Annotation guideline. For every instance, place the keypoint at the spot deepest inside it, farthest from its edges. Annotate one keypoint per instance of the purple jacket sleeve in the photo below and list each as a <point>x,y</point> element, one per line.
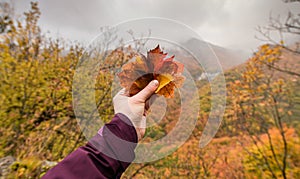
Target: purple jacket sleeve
<point>102,156</point>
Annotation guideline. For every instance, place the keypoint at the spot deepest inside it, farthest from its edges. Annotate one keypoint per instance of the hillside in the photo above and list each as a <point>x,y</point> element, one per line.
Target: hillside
<point>202,59</point>
<point>230,154</point>
<point>288,64</point>
<point>228,58</point>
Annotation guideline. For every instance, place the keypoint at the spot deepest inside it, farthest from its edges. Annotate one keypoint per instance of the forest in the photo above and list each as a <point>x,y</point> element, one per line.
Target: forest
<point>259,136</point>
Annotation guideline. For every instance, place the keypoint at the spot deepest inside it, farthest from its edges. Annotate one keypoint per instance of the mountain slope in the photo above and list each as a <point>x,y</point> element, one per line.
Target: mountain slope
<point>227,58</point>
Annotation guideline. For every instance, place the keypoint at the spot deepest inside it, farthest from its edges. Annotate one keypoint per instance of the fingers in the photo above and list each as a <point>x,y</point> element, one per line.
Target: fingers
<point>150,101</point>
<point>147,91</point>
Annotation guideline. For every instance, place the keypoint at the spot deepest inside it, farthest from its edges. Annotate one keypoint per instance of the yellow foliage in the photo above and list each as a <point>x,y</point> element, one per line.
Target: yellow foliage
<point>163,79</point>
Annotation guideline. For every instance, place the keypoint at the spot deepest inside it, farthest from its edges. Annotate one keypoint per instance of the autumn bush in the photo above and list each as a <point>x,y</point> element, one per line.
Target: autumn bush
<point>255,163</point>
<point>36,99</point>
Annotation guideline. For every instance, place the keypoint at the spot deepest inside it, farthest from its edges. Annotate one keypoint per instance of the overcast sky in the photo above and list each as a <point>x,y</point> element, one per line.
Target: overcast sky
<point>227,23</point>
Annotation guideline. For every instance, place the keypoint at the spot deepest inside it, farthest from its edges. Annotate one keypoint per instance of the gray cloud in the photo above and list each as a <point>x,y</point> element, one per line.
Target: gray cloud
<point>228,23</point>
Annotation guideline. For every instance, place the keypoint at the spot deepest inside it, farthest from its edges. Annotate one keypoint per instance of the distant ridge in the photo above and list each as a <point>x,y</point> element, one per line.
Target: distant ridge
<point>228,58</point>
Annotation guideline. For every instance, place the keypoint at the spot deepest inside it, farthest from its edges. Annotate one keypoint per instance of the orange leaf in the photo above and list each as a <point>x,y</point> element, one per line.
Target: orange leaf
<point>168,90</point>
<point>135,75</point>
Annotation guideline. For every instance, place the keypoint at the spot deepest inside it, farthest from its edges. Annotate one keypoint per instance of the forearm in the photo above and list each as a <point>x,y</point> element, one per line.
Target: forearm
<point>103,156</point>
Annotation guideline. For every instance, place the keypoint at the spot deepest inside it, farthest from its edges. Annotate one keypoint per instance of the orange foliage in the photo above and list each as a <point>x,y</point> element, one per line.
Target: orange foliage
<point>136,75</point>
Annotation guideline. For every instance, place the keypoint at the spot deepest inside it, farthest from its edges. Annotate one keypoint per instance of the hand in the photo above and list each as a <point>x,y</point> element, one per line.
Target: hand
<point>134,107</point>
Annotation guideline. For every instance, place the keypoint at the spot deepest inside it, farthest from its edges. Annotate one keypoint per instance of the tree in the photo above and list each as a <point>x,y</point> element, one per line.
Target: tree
<point>290,26</point>
<point>36,77</point>
<point>262,101</point>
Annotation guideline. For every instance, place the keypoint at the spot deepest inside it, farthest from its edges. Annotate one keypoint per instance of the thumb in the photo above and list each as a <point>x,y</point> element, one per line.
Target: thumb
<point>147,91</point>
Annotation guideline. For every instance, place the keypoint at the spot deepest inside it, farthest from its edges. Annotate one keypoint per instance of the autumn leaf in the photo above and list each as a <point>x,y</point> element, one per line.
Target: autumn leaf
<point>135,75</point>
<point>164,79</point>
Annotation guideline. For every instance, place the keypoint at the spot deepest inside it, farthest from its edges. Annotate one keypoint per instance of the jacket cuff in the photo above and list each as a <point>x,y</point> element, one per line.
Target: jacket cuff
<point>117,140</point>
<point>126,126</point>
